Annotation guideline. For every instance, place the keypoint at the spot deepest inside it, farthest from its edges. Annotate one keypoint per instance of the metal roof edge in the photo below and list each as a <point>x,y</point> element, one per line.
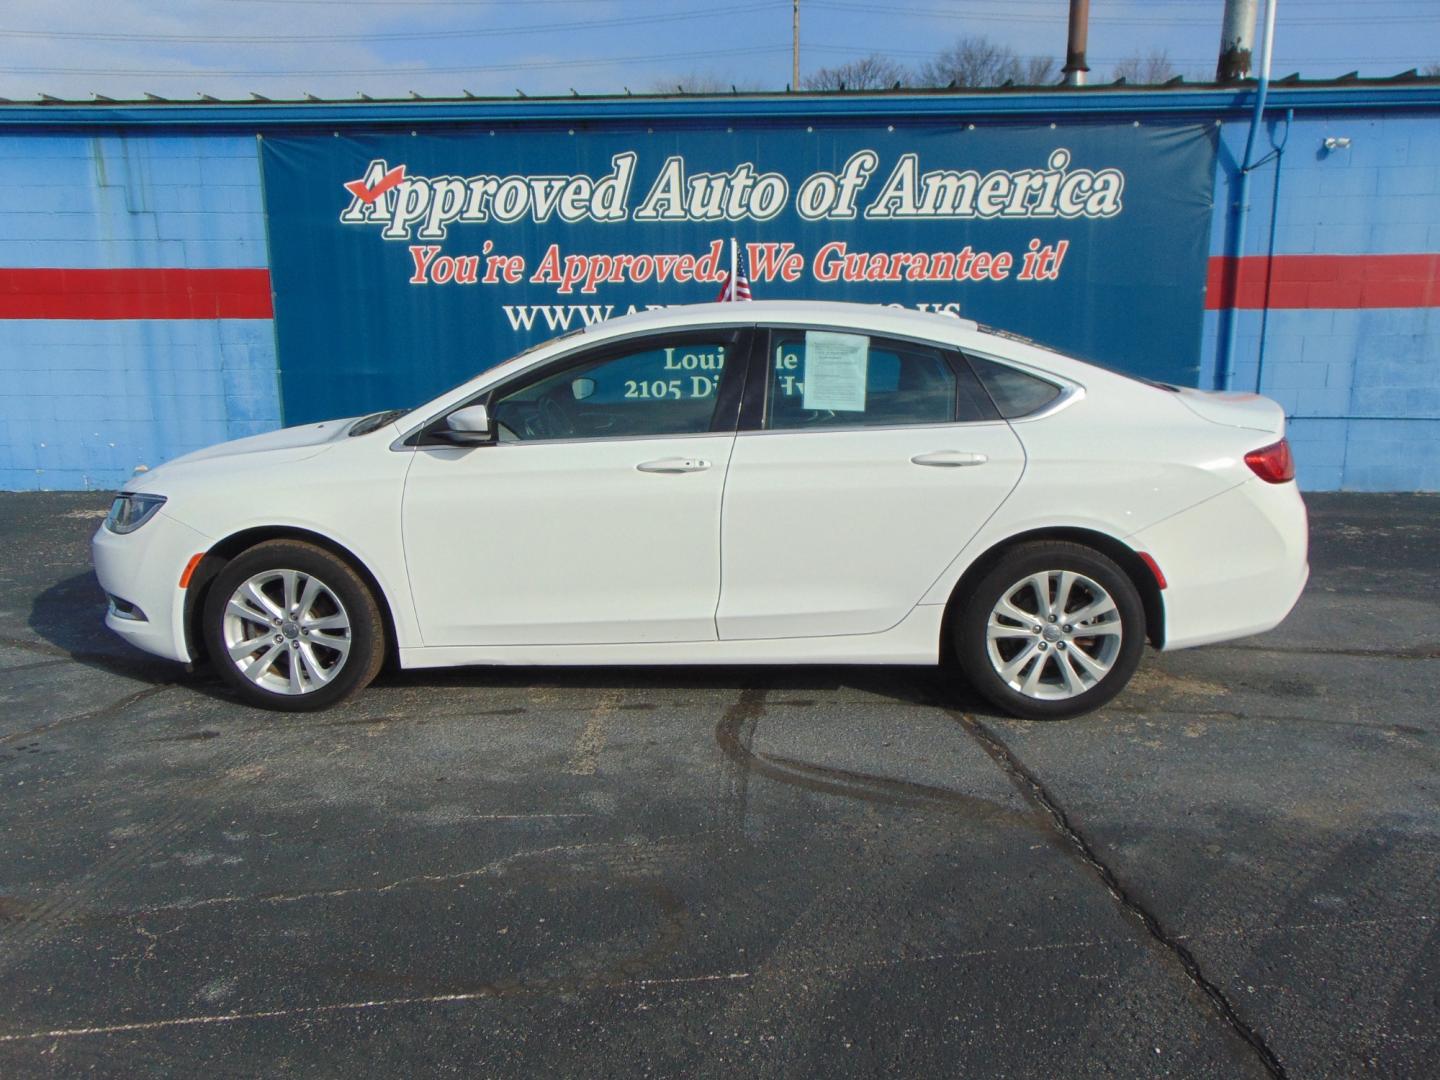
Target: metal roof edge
<point>968,105</point>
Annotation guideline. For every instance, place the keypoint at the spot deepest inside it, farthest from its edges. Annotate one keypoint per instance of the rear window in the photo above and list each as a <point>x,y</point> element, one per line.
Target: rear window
<point>1015,393</point>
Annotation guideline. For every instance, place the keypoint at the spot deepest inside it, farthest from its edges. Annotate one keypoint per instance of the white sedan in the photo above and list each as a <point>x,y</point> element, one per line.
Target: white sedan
<point>761,483</point>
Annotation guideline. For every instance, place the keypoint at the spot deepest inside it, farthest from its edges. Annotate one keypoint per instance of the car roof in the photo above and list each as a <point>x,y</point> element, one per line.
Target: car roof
<point>875,316</point>
<point>936,326</point>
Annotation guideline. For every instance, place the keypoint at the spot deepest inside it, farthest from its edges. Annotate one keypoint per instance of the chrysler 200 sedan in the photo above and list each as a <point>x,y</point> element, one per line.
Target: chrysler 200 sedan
<point>766,483</point>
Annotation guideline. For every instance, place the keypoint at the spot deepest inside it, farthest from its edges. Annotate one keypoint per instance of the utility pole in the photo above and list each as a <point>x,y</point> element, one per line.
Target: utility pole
<point>795,45</point>
<point>1075,65</point>
<point>1237,39</point>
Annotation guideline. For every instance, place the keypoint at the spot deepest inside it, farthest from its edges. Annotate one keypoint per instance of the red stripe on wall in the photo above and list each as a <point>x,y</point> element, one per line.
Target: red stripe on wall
<point>1295,281</point>
<point>45,293</point>
<point>1324,281</point>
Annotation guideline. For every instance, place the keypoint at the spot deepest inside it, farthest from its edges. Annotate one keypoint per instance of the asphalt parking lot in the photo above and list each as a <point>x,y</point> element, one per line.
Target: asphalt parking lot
<point>1234,870</point>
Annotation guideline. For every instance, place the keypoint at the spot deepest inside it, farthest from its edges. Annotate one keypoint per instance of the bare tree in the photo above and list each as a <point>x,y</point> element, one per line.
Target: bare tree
<point>1430,70</point>
<point>699,82</point>
<point>1148,70</point>
<point>972,61</point>
<point>874,72</point>
<point>1038,71</point>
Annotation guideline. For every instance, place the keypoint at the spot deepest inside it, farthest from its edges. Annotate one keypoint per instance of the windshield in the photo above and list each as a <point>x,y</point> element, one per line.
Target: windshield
<point>376,421</point>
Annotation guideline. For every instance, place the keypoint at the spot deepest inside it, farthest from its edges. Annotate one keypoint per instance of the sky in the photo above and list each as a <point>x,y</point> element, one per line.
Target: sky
<point>389,48</point>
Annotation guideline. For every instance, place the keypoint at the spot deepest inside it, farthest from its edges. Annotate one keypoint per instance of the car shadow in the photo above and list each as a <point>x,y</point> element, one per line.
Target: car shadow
<point>69,618</point>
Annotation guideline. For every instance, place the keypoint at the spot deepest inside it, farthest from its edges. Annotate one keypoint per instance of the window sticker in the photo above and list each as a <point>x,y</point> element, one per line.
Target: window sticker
<point>835,371</point>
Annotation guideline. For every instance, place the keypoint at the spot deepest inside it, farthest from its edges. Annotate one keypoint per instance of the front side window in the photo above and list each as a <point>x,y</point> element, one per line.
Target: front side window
<point>821,378</point>
<point>653,388</point>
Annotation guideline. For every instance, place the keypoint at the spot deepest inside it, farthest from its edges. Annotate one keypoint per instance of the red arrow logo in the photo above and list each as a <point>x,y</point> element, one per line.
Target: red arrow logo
<point>385,183</point>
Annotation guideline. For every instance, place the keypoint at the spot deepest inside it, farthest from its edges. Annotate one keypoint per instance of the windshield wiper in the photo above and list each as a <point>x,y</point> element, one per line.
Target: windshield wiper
<point>376,421</point>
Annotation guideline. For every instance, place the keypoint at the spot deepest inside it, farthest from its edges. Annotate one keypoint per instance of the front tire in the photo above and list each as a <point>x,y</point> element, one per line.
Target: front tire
<point>289,626</point>
<point>1052,631</point>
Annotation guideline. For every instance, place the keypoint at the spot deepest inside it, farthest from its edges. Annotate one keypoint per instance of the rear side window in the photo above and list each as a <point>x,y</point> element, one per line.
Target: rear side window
<point>1015,393</point>
<point>820,378</point>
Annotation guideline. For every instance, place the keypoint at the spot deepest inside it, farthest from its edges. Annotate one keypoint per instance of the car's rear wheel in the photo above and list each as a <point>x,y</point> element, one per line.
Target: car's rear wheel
<point>1052,630</point>
<point>290,626</point>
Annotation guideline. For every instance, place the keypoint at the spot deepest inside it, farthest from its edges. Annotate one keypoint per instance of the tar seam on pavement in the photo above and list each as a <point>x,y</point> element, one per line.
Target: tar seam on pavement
<point>1035,793</point>
<point>90,714</point>
<point>737,728</point>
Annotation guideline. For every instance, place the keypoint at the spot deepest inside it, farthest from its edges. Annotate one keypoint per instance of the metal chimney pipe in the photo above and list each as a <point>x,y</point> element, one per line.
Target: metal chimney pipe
<point>1075,65</point>
<point>1237,40</point>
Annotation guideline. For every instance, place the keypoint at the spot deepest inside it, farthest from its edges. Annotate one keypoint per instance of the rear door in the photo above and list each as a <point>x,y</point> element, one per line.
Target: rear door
<point>862,468</point>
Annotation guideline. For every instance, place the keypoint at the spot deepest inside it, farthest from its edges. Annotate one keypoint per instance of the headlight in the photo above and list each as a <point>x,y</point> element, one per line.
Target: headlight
<point>129,512</point>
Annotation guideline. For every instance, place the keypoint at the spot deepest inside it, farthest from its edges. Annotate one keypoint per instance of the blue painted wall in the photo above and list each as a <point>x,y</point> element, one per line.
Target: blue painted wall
<point>84,402</point>
<point>1361,386</point>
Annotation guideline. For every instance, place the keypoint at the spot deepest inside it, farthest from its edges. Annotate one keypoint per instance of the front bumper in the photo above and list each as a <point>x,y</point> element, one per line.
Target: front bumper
<point>142,569</point>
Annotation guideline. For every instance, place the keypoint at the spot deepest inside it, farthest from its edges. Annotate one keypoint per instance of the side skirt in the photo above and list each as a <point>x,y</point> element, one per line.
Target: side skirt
<point>914,640</point>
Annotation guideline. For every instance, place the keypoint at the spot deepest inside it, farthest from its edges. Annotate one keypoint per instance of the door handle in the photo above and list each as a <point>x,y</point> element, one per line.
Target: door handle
<point>949,459</point>
<point>674,465</point>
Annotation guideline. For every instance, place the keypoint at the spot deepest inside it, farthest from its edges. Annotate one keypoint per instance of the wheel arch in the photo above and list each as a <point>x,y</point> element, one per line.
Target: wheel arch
<point>1126,557</point>
<point>222,551</point>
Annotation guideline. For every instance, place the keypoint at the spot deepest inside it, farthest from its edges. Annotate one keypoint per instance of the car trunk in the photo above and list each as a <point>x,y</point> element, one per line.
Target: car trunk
<point>1233,409</point>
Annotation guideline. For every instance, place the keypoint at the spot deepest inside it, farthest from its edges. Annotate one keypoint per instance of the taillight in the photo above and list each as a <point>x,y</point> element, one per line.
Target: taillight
<point>1274,463</point>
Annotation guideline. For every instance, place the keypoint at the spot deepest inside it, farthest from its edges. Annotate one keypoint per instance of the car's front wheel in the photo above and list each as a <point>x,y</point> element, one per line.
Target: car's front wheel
<point>290,626</point>
<point>1053,630</point>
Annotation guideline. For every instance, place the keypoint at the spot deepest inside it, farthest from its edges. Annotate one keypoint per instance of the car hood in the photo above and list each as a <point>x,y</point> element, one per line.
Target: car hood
<point>1235,409</point>
<point>287,444</point>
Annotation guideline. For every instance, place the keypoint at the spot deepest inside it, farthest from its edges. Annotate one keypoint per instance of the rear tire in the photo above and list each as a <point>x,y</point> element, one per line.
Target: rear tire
<point>289,626</point>
<point>1053,630</point>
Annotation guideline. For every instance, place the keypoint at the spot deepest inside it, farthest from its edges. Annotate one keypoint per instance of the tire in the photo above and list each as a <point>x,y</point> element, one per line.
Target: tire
<point>1021,658</point>
<point>303,658</point>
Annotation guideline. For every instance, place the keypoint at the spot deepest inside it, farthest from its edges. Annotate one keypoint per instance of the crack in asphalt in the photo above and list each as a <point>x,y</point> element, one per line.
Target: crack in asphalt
<point>1412,652</point>
<point>736,729</point>
<point>92,714</point>
<point>1037,794</point>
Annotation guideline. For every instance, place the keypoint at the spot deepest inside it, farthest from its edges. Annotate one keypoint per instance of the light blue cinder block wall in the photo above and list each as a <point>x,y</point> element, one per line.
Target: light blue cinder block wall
<point>86,401</point>
<point>1362,385</point>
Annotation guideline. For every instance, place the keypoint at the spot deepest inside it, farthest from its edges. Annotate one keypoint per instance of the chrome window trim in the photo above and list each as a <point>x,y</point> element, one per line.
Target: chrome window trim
<point>834,429</point>
<point>594,439</point>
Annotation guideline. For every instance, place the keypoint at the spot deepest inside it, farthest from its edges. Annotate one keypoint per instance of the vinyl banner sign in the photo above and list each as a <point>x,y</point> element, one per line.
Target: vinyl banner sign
<point>405,263</point>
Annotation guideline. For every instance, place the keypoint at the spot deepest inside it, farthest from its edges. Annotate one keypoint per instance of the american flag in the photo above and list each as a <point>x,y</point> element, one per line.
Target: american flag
<point>741,291</point>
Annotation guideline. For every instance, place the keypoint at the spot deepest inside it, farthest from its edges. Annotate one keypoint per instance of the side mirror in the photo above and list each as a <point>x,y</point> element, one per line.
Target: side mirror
<point>469,426</point>
<point>582,388</point>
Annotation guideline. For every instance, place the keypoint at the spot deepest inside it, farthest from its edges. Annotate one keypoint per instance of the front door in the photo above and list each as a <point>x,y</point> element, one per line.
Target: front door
<point>874,462</point>
<point>594,518</point>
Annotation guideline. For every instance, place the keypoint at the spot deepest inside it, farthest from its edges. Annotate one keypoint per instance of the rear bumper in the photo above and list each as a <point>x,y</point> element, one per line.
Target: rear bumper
<point>1236,564</point>
<point>142,569</point>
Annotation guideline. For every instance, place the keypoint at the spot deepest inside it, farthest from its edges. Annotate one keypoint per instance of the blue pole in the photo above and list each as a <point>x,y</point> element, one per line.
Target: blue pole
<point>1224,363</point>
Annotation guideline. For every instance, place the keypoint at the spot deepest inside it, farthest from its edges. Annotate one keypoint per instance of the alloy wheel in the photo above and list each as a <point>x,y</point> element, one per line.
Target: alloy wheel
<point>286,631</point>
<point>1054,635</point>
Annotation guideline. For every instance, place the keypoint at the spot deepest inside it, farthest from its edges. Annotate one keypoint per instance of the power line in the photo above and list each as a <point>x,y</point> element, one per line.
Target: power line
<point>1006,5</point>
<point>1058,15</point>
<point>151,73</point>
<point>417,35</point>
<point>432,3</point>
<point>849,50</point>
